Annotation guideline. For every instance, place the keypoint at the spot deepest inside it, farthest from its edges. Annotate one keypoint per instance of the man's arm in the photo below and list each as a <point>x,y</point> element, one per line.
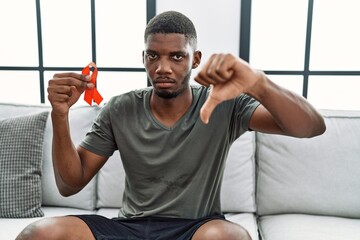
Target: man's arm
<point>284,112</point>
<point>73,168</point>
<point>281,111</point>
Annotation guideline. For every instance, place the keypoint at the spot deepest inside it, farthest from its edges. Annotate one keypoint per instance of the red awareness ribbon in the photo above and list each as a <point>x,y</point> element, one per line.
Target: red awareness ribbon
<point>92,94</point>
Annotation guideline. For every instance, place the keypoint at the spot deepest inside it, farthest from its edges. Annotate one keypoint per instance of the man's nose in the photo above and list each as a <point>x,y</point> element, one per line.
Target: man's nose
<point>164,66</point>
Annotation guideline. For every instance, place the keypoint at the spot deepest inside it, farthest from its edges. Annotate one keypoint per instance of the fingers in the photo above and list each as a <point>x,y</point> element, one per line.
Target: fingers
<point>216,73</point>
<point>62,82</point>
<point>63,86</point>
<point>208,107</point>
<point>218,69</point>
<point>73,79</point>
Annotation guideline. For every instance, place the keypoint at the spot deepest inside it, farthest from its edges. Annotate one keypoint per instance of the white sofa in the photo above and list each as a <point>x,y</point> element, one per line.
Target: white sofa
<point>277,187</point>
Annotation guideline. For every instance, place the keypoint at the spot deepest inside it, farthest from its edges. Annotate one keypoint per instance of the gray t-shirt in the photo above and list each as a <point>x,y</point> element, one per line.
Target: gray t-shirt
<point>173,172</point>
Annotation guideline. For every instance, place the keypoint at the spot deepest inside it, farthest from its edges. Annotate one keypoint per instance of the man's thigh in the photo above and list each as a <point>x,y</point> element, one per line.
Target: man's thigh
<point>68,227</point>
<point>221,230</point>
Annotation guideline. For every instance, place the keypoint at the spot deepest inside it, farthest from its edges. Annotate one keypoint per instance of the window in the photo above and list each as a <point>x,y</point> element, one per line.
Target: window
<point>308,46</point>
<point>46,37</point>
<point>18,47</point>
<point>308,41</point>
<point>334,56</point>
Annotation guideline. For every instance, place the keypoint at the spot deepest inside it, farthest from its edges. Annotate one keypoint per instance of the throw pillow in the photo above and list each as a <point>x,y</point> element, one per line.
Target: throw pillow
<point>21,152</point>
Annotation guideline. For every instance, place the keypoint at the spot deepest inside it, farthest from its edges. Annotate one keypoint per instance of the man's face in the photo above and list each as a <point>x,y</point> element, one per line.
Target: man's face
<point>168,60</point>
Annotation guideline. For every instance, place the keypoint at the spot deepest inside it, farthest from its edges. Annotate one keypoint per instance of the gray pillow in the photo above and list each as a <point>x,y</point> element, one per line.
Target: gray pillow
<point>21,152</point>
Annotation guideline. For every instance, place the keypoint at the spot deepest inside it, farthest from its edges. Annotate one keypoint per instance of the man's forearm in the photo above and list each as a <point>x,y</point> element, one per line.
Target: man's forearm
<point>292,113</point>
<point>67,164</point>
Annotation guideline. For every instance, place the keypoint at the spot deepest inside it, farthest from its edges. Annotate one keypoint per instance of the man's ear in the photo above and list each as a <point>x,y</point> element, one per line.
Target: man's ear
<point>197,59</point>
<point>143,57</point>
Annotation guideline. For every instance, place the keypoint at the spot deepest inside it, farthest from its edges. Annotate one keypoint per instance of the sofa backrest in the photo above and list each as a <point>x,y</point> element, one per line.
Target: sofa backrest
<point>106,188</point>
<point>319,175</point>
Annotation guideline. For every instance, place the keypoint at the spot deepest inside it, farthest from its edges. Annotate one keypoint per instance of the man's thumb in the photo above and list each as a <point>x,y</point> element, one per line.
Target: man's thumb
<point>208,107</point>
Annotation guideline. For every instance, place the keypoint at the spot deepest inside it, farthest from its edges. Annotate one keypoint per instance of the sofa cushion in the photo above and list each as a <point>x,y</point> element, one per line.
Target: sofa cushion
<point>247,221</point>
<point>80,120</point>
<point>238,188</point>
<point>300,227</point>
<point>319,175</point>
<point>21,152</point>
<point>111,183</point>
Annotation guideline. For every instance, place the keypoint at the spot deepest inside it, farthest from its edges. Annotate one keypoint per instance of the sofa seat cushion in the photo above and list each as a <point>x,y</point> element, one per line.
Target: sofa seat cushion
<point>309,227</point>
<point>14,226</point>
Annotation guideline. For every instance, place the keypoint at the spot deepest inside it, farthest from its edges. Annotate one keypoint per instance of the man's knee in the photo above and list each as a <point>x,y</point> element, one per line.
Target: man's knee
<point>38,230</point>
<point>221,230</point>
<point>57,228</point>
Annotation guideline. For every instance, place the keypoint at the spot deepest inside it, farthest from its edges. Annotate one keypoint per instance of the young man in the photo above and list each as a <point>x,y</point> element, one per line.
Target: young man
<point>170,134</point>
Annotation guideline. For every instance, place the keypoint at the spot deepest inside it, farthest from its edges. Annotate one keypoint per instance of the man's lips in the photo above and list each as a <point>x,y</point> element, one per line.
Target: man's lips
<point>164,82</point>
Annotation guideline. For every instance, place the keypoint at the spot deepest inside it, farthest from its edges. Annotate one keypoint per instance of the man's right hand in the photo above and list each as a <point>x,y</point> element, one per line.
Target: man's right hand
<point>65,89</point>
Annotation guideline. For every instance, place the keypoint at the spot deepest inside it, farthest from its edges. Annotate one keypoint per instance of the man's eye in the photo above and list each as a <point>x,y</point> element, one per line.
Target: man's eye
<point>151,56</point>
<point>178,57</point>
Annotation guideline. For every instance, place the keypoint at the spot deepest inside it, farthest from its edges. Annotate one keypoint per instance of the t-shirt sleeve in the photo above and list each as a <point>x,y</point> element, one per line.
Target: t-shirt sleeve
<point>100,139</point>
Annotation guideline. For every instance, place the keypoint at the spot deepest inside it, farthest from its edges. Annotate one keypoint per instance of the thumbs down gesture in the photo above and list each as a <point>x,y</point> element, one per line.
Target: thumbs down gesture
<point>228,77</point>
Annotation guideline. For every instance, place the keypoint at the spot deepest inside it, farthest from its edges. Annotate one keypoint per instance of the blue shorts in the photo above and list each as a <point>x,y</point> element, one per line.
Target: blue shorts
<point>144,228</point>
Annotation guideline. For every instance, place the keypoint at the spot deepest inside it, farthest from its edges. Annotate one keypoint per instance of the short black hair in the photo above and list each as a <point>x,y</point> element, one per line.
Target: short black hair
<point>172,22</point>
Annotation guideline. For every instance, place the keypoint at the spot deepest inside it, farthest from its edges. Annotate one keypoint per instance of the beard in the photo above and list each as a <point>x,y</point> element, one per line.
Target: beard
<point>168,94</point>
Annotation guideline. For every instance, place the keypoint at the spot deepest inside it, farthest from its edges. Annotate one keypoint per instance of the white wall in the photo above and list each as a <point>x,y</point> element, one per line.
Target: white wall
<point>217,23</point>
